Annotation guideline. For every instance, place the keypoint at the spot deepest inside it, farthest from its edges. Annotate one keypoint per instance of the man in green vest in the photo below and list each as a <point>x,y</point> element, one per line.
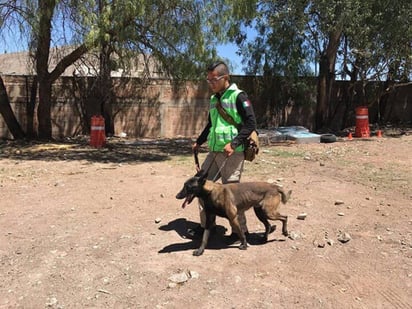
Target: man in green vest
<point>225,158</point>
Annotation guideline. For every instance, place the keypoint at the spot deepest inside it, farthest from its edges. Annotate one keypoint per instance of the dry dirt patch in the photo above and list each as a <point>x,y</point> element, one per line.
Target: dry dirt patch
<point>101,228</point>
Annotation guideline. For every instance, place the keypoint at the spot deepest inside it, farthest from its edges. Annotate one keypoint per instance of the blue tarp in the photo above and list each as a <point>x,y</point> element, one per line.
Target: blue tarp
<point>295,133</point>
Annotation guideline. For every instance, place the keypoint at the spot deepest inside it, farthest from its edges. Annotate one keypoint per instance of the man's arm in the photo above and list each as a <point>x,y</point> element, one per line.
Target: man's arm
<point>246,112</point>
<point>203,136</point>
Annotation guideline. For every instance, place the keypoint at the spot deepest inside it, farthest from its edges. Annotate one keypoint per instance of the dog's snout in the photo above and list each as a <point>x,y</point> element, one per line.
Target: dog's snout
<point>181,195</point>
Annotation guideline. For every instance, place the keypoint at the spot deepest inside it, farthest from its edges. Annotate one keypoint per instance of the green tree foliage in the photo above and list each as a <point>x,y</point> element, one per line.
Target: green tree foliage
<point>379,45</point>
<point>279,47</point>
<point>181,34</point>
<point>365,39</point>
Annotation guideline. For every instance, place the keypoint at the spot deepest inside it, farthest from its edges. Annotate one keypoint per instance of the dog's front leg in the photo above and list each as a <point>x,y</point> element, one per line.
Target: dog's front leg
<point>210,222</point>
<point>202,247</point>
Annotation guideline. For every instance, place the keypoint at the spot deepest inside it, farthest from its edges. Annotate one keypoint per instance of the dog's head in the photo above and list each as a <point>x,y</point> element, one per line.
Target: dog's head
<point>192,188</point>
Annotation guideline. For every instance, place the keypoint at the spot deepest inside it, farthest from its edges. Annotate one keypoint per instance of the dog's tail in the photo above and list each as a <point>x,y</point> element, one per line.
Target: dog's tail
<point>285,196</point>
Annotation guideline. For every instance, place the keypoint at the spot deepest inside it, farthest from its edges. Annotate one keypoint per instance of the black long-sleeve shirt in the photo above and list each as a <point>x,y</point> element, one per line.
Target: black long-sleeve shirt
<point>246,112</point>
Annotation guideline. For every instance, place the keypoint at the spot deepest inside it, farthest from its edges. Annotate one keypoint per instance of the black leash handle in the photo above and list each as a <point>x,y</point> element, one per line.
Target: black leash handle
<point>195,154</point>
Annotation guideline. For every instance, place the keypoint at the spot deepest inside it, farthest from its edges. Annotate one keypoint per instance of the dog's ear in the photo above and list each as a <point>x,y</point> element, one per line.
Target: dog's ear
<point>202,176</point>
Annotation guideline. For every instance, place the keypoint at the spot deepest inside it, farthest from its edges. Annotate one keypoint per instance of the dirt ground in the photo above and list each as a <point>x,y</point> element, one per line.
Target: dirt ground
<point>101,228</point>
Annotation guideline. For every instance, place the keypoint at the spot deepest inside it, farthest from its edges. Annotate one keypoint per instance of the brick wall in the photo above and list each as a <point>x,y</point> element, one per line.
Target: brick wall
<point>163,109</point>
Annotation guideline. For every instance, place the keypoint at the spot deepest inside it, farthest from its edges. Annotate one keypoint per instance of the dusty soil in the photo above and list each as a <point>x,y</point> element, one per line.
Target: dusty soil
<point>101,228</point>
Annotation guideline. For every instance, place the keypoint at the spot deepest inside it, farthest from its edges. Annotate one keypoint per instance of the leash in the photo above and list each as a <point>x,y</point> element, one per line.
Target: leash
<point>196,155</point>
<point>220,168</point>
<point>197,164</point>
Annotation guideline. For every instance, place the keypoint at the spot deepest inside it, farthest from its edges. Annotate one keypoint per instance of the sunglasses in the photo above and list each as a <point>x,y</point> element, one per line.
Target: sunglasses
<point>214,80</point>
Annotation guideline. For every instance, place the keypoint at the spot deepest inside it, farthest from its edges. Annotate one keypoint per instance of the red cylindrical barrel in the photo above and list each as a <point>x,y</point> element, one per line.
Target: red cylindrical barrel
<point>97,132</point>
<point>362,122</point>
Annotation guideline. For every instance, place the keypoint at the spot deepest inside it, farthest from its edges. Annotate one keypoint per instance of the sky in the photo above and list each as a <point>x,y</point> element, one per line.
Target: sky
<point>228,51</point>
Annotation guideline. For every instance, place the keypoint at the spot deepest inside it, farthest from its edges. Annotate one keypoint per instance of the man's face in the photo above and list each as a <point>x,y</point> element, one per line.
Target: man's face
<point>217,83</point>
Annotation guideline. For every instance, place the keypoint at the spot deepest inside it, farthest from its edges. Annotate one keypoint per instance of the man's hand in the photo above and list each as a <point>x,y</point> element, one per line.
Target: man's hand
<point>228,149</point>
<point>195,147</point>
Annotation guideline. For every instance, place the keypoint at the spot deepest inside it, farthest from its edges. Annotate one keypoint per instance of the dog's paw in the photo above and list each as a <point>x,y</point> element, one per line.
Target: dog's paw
<point>243,247</point>
<point>198,252</point>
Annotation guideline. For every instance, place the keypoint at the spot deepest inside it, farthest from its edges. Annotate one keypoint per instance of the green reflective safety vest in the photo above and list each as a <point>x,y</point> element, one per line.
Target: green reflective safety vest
<point>221,131</point>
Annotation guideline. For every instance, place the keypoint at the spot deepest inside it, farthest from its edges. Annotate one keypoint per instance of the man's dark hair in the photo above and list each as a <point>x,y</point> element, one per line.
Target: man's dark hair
<point>220,67</point>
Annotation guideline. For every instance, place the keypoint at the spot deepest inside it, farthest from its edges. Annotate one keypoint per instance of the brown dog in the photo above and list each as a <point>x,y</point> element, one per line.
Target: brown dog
<point>230,199</point>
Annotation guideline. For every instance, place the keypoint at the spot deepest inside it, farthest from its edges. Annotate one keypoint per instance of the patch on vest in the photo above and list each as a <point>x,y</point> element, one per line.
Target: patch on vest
<point>246,103</point>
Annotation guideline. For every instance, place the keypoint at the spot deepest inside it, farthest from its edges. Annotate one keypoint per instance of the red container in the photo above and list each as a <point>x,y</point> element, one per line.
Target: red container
<point>362,122</point>
<point>97,132</point>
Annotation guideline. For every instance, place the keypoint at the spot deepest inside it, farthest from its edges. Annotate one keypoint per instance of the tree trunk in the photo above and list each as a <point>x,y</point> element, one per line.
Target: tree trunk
<point>44,110</point>
<point>8,114</point>
<point>105,85</point>
<point>322,99</point>
<point>31,104</point>
<point>46,10</point>
<point>326,79</point>
<point>46,78</point>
